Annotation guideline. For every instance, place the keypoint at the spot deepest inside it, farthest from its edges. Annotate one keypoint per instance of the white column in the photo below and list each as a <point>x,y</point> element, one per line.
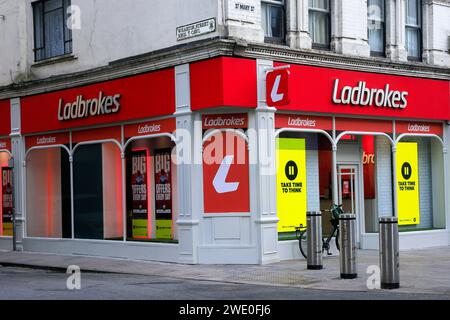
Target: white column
<point>188,152</point>
<point>349,27</point>
<point>18,152</point>
<point>395,24</point>
<point>262,158</point>
<point>297,33</point>
<point>436,41</point>
<point>243,19</point>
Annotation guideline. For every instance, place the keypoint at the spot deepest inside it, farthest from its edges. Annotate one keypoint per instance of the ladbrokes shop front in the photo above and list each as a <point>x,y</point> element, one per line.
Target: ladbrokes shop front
<point>218,160</point>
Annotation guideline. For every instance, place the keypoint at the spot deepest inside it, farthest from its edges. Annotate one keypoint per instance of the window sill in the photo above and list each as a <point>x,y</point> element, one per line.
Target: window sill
<point>54,60</point>
<point>276,41</point>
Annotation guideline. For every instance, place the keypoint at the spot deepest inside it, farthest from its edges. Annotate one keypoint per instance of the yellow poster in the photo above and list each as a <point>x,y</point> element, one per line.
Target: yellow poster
<point>407,184</point>
<point>291,183</point>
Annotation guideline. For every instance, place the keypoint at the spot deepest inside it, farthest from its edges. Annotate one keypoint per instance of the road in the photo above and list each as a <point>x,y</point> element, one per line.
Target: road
<point>31,284</point>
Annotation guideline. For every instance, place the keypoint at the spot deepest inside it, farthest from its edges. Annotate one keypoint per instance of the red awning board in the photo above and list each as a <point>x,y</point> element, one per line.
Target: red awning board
<point>126,99</point>
<point>232,82</point>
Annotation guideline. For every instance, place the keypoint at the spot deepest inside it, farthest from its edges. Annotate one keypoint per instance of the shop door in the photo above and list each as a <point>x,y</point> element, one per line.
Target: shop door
<point>349,191</point>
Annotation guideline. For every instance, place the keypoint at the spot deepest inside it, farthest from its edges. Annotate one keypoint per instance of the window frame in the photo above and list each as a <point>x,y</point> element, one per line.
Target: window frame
<point>418,27</point>
<point>282,5</point>
<point>67,32</point>
<point>379,53</point>
<point>316,45</point>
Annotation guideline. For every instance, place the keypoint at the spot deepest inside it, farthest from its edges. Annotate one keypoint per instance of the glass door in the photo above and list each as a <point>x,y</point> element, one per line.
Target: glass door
<point>348,188</point>
<point>349,191</point>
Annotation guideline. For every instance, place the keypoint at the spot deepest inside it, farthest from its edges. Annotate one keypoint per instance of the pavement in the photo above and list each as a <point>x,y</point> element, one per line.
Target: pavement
<point>424,271</point>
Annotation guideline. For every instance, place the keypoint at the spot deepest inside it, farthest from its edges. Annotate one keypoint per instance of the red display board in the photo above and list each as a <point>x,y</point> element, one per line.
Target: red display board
<point>150,127</point>
<point>47,140</point>
<point>368,145</point>
<point>163,194</point>
<point>140,194</point>
<point>7,201</point>
<point>223,121</point>
<point>416,127</point>
<point>303,122</point>
<point>226,174</point>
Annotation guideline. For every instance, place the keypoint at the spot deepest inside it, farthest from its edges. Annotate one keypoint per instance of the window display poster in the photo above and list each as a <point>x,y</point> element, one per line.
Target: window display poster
<point>291,183</point>
<point>163,194</point>
<point>408,184</point>
<point>139,192</point>
<point>7,201</point>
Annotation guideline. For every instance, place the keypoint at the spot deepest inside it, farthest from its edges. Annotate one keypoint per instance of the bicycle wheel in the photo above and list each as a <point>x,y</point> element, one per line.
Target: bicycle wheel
<point>337,240</point>
<point>303,243</point>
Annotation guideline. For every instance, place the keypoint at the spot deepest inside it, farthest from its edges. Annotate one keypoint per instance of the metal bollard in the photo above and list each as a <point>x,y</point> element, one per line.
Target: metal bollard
<point>347,240</point>
<point>314,233</point>
<point>389,253</point>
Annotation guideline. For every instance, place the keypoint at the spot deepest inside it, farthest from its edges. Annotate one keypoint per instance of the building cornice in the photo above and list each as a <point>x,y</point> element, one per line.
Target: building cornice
<point>216,47</point>
<point>332,60</point>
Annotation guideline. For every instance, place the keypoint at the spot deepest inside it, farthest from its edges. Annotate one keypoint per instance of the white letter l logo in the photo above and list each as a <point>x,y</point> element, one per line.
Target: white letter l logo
<point>219,182</point>
<point>275,95</point>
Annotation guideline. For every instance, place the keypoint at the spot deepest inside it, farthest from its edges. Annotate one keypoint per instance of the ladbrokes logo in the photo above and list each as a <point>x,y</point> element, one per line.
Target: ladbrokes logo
<point>363,96</point>
<point>83,108</point>
<point>219,122</point>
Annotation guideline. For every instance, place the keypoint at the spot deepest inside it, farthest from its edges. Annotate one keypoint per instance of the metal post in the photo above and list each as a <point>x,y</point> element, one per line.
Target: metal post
<point>314,233</point>
<point>347,240</point>
<point>389,253</point>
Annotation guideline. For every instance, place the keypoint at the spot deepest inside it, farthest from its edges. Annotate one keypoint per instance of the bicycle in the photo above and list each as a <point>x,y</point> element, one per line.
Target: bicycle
<point>301,232</point>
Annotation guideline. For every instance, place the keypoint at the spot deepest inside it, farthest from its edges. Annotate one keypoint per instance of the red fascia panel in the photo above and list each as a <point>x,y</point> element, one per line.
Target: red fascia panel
<point>5,117</point>
<point>311,89</point>
<point>142,96</point>
<point>223,81</point>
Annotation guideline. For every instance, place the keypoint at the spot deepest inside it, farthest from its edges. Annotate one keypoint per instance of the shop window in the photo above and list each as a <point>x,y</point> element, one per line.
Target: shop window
<point>273,20</point>
<point>414,29</point>
<point>151,191</point>
<point>376,26</point>
<point>320,23</point>
<point>298,189</point>
<point>48,194</point>
<point>420,189</point>
<point>97,182</point>
<point>6,196</point>
<point>52,37</point>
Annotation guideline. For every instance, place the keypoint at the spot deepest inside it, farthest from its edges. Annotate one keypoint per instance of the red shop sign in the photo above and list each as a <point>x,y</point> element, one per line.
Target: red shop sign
<point>337,91</point>
<point>303,122</point>
<point>277,87</point>
<point>363,125</point>
<point>150,127</point>
<point>419,127</point>
<point>97,134</point>
<point>47,140</point>
<point>223,82</point>
<point>226,174</point>
<point>221,121</point>
<point>136,97</point>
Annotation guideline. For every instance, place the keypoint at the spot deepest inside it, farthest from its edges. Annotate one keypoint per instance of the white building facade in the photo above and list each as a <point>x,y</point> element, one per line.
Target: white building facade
<point>110,110</point>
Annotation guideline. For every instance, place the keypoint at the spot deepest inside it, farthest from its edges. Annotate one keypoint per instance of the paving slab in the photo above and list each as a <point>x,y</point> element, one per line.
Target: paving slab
<point>421,271</point>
